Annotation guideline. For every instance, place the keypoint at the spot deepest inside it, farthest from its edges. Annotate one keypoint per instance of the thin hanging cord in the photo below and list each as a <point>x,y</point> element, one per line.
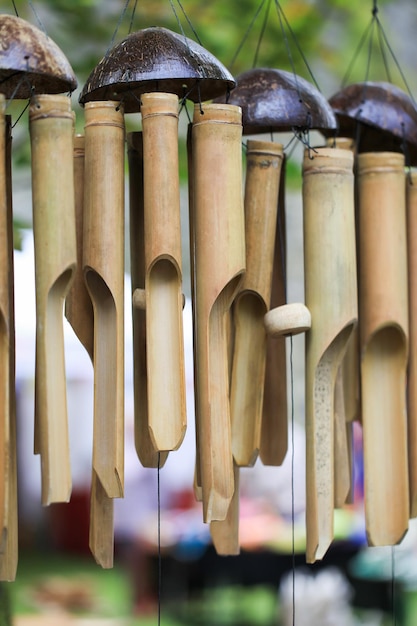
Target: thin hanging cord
<point>362,41</point>
<point>393,596</point>
<point>261,34</point>
<point>282,18</point>
<point>292,480</point>
<point>36,14</point>
<point>247,33</point>
<point>159,541</point>
<point>116,30</point>
<point>132,18</point>
<point>189,22</point>
<point>15,8</point>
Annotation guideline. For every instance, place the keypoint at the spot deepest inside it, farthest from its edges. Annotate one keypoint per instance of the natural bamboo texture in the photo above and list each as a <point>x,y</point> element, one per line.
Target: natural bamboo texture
<point>225,533</point>
<point>78,305</point>
<point>274,428</point>
<point>383,315</point>
<point>263,168</point>
<point>80,314</point>
<point>51,130</point>
<point>219,263</point>
<point>103,262</point>
<point>331,297</point>
<point>411,199</point>
<point>8,443</point>
<point>145,448</point>
<point>163,279</point>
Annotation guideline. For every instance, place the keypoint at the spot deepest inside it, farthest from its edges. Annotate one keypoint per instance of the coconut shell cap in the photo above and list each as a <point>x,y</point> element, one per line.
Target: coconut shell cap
<point>30,62</point>
<point>156,59</point>
<point>379,115</point>
<point>275,100</point>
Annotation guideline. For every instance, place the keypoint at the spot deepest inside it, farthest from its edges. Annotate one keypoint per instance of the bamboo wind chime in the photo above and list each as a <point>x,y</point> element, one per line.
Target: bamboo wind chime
<point>359,291</point>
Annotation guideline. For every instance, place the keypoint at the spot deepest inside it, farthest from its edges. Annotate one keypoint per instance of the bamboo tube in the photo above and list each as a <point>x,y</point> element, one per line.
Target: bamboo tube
<point>331,297</point>
<point>225,533</point>
<point>264,161</point>
<point>78,305</point>
<point>164,330</point>
<point>80,314</point>
<point>219,263</point>
<point>274,428</point>
<point>145,449</point>
<point>103,261</point>
<point>51,131</point>
<point>8,487</point>
<point>383,302</point>
<point>411,198</point>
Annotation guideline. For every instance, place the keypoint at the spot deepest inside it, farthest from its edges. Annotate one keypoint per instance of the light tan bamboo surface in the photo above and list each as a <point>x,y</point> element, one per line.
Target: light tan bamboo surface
<point>8,475</point>
<point>274,427</point>
<point>219,249</point>
<point>263,168</point>
<point>331,297</point>
<point>51,124</point>
<point>163,279</point>
<point>80,314</point>
<point>383,315</point>
<point>103,262</point>
<point>225,533</point>
<point>145,448</point>
<point>411,198</point>
<point>78,305</point>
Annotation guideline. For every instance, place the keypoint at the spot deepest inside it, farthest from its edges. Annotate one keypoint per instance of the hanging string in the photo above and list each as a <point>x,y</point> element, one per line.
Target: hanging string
<point>189,22</point>
<point>247,33</point>
<point>38,19</point>
<point>133,16</point>
<point>292,479</point>
<point>393,595</point>
<point>159,540</point>
<point>261,35</point>
<point>15,8</point>
<point>116,30</point>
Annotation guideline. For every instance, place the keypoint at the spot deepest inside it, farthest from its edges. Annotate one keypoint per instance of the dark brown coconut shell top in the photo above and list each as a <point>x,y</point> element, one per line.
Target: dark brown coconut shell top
<point>275,100</point>
<point>379,115</point>
<point>30,62</point>
<point>156,59</point>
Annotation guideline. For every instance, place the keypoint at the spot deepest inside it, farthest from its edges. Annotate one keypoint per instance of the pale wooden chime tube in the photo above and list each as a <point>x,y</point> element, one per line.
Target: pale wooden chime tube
<point>264,161</point>
<point>103,262</point>
<point>219,248</point>
<point>51,131</point>
<point>331,297</point>
<point>163,277</point>
<point>80,314</point>
<point>383,315</point>
<point>148,455</point>
<point>412,361</point>
<point>8,474</point>
<point>274,429</point>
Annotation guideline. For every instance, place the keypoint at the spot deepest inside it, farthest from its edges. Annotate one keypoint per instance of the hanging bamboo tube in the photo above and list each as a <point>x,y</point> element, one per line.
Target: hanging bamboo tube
<point>264,161</point>
<point>103,262</point>
<point>383,314</point>
<point>145,448</point>
<point>411,198</point>
<point>80,314</point>
<point>8,442</point>
<point>219,263</point>
<point>331,297</point>
<point>163,279</point>
<point>78,305</point>
<point>51,132</point>
<point>274,429</point>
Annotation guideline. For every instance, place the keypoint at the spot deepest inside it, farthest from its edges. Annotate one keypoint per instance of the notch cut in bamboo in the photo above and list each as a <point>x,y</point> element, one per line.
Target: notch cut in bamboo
<point>331,297</point>
<point>264,160</point>
<point>219,263</point>
<point>103,262</point>
<point>163,277</point>
<point>51,124</point>
<point>383,302</point>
